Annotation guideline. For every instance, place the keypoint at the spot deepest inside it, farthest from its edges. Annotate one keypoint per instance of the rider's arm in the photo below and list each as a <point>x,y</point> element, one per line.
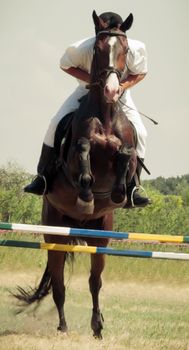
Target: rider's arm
<point>136,64</point>
<point>77,59</point>
<point>78,73</point>
<point>132,80</point>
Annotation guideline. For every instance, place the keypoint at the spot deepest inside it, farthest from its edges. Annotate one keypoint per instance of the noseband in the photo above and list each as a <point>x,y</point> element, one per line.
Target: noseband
<point>108,70</point>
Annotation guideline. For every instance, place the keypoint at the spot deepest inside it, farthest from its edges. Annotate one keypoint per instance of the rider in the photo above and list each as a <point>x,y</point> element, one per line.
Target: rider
<point>76,61</point>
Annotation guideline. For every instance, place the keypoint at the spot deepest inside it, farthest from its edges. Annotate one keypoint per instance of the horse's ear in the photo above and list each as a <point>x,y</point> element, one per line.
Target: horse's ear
<point>95,19</point>
<point>126,25</point>
<point>98,22</point>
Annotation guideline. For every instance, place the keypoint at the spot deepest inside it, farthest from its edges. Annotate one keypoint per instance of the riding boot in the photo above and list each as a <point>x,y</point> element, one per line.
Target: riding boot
<point>46,169</point>
<point>134,199</point>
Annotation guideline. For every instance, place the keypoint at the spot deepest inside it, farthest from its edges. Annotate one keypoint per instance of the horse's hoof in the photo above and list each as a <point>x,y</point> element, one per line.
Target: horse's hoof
<point>119,204</point>
<point>118,195</point>
<point>85,207</point>
<point>97,321</point>
<point>98,335</point>
<point>62,328</point>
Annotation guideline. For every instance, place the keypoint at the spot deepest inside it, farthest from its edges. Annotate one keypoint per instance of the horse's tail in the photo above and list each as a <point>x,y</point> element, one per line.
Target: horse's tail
<point>31,295</point>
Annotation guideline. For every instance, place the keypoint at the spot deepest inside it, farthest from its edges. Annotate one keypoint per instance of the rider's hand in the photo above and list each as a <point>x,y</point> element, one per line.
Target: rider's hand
<point>121,90</point>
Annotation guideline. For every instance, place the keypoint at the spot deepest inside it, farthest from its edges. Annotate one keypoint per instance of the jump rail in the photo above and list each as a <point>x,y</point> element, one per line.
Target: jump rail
<point>67,231</point>
<point>95,250</point>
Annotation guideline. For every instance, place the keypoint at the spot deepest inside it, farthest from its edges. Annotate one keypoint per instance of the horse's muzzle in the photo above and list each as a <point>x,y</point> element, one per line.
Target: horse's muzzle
<point>112,88</point>
<point>111,95</point>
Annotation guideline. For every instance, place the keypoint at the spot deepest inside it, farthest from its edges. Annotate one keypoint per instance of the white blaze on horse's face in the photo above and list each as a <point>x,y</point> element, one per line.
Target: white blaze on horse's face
<point>111,89</point>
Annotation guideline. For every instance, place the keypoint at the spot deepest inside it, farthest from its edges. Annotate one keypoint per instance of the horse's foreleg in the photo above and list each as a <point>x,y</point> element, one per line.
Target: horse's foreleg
<point>95,283</point>
<point>119,190</point>
<point>56,262</point>
<point>85,201</point>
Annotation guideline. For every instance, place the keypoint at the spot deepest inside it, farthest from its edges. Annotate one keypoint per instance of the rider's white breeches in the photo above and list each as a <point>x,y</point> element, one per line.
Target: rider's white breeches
<point>72,103</point>
<point>133,115</point>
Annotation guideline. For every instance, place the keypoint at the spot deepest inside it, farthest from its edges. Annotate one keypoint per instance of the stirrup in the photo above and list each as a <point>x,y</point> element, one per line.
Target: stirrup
<point>45,181</point>
<point>136,188</point>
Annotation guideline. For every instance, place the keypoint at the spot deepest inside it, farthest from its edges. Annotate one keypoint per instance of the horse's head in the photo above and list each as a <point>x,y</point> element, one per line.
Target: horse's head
<point>110,51</point>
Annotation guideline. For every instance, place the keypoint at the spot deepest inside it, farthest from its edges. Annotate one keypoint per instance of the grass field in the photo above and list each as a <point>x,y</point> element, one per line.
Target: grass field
<point>145,304</point>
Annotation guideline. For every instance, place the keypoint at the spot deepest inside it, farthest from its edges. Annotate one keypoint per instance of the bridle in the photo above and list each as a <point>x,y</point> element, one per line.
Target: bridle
<point>109,70</point>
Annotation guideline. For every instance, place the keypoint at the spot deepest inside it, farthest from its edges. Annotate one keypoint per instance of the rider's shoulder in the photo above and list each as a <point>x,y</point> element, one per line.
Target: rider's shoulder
<point>136,45</point>
<point>137,57</point>
<point>86,43</point>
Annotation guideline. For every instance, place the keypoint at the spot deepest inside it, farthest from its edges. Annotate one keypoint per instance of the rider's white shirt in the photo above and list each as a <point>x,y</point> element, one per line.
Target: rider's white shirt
<point>80,55</point>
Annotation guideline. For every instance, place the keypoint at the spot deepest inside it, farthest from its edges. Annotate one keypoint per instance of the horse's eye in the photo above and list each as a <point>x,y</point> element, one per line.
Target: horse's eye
<point>102,36</point>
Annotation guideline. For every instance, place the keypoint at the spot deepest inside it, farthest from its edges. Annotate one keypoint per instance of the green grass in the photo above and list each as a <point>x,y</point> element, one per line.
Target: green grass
<point>137,316</point>
<point>145,302</point>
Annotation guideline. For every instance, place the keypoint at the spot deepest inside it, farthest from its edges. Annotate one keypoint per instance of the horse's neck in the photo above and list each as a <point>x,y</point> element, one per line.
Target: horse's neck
<point>103,110</point>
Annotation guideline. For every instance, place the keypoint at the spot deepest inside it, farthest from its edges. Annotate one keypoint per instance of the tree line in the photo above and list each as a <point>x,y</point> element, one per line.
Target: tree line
<point>168,214</point>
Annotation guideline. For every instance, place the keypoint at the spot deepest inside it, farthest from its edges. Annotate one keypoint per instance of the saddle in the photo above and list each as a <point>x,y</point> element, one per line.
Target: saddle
<point>63,134</point>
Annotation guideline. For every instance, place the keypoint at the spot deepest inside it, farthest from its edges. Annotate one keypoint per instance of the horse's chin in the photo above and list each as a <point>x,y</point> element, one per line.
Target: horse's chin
<point>111,99</point>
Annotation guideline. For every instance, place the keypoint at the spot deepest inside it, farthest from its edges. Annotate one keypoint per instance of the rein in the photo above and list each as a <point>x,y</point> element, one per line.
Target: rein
<point>133,109</point>
<point>109,70</point>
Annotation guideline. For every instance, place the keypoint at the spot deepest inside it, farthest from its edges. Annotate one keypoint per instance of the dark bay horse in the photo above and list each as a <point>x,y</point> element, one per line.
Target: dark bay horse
<point>95,168</point>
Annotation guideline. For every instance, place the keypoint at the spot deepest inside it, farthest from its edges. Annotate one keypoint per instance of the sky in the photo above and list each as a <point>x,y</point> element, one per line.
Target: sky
<point>33,37</point>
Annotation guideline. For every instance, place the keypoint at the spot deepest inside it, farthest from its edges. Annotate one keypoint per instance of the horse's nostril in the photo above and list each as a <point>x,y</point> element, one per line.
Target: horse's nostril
<point>110,91</point>
<point>107,89</point>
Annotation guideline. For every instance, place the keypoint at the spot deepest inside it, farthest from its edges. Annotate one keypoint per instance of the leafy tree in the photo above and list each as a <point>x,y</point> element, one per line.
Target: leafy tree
<point>169,212</point>
<point>167,215</point>
<point>172,185</point>
<point>15,205</point>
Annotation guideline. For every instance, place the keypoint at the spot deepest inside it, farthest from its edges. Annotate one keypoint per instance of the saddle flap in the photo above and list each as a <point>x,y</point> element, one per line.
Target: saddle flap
<point>63,135</point>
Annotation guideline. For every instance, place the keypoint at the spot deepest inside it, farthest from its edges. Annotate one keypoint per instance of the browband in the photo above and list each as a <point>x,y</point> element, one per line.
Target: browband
<point>111,33</point>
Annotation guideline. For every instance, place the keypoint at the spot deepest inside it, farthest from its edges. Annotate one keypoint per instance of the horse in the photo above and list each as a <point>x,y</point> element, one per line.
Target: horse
<point>96,160</point>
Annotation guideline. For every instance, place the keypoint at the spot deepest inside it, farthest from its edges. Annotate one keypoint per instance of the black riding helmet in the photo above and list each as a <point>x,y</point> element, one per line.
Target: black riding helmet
<point>112,20</point>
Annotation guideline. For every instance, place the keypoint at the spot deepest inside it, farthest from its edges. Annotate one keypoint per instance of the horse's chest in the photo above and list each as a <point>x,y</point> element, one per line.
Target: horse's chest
<point>105,142</point>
